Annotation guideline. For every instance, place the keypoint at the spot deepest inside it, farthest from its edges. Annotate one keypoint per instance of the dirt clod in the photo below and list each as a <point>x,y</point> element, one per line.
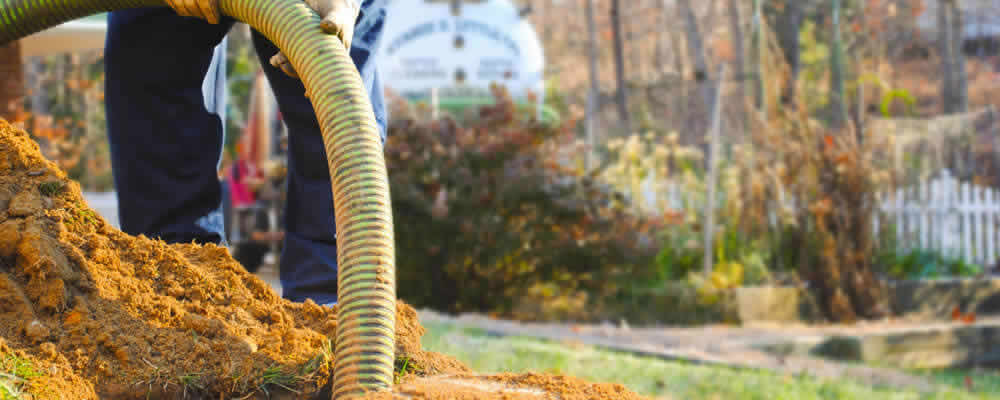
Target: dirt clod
<point>100,314</point>
<point>10,236</point>
<point>6,194</point>
<point>24,203</point>
<point>36,332</point>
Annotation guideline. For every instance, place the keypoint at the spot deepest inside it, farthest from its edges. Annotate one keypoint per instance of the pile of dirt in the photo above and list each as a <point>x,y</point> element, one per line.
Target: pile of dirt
<point>89,312</point>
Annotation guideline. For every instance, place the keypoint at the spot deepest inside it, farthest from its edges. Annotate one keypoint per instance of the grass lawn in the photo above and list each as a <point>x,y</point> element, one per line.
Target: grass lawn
<point>675,380</point>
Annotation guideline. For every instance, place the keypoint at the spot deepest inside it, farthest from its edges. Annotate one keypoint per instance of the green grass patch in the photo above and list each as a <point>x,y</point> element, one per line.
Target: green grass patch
<point>668,379</point>
<point>276,377</point>
<point>290,379</point>
<point>10,389</point>
<point>19,367</point>
<point>83,216</point>
<point>404,367</point>
<point>979,380</point>
<point>52,188</point>
<point>15,375</point>
<point>191,382</point>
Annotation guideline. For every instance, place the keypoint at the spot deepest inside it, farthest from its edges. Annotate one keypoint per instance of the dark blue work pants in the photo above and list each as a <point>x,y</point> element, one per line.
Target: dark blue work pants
<point>165,144</point>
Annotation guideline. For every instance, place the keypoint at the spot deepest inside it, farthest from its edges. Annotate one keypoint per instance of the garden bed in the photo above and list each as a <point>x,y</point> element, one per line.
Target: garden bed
<point>913,300</point>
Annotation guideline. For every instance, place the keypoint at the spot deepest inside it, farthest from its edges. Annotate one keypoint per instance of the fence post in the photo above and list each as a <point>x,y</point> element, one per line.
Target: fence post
<point>992,201</point>
<point>937,199</point>
<point>952,232</point>
<point>977,214</point>
<point>965,217</point>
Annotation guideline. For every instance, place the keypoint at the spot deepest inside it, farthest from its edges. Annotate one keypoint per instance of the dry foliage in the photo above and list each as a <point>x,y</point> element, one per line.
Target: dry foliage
<point>821,188</point>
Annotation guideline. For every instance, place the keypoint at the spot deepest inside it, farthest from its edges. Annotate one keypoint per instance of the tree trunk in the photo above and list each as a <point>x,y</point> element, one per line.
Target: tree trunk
<point>696,52</point>
<point>954,84</point>
<point>622,95</point>
<point>675,48</point>
<point>593,95</point>
<point>696,48</point>
<point>961,77</point>
<point>944,49</point>
<point>12,81</point>
<point>739,60</point>
<point>787,26</point>
<point>634,44</point>
<point>838,109</point>
<point>757,56</point>
<point>659,57</point>
<point>679,102</point>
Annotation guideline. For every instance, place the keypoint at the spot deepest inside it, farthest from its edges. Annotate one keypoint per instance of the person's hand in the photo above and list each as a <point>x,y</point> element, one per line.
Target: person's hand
<point>207,10</point>
<point>338,19</point>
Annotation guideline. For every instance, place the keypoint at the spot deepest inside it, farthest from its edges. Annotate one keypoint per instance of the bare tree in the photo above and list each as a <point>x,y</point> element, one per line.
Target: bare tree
<point>622,95</point>
<point>593,97</point>
<point>696,52</point>
<point>696,48</point>
<point>787,25</point>
<point>954,84</point>
<point>675,45</point>
<point>12,83</point>
<point>633,35</point>
<point>838,107</point>
<point>739,53</point>
<point>757,55</point>
<point>659,56</point>
<point>679,104</point>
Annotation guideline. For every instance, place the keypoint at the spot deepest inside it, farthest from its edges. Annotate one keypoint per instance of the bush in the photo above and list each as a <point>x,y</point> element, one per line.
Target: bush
<point>484,216</point>
<point>655,163</point>
<point>799,199</point>
<point>925,264</point>
<point>821,188</point>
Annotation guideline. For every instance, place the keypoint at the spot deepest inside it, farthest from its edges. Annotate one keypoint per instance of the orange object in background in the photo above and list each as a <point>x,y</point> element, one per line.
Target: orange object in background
<point>256,138</point>
<point>956,315</point>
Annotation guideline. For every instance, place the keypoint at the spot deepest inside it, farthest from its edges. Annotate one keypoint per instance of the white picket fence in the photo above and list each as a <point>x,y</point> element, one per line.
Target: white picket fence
<point>956,218</point>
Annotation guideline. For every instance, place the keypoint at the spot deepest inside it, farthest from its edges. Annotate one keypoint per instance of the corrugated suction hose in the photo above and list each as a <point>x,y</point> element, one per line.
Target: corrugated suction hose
<point>365,341</point>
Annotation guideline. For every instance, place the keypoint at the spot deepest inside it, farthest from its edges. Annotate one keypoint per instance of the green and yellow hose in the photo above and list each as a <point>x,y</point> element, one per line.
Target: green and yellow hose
<point>365,339</point>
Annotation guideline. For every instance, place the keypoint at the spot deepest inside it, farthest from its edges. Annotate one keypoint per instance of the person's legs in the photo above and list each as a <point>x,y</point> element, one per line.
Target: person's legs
<point>309,256</point>
<point>165,143</point>
<point>308,265</point>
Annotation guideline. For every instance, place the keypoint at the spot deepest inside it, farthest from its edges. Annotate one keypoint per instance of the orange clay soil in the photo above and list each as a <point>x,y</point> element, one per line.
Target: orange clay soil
<point>99,314</point>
